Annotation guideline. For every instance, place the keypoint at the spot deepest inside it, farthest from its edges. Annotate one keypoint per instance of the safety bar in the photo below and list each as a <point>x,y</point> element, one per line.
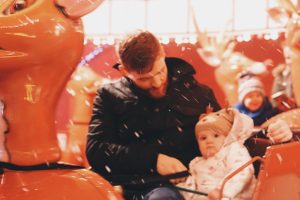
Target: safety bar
<point>237,171</point>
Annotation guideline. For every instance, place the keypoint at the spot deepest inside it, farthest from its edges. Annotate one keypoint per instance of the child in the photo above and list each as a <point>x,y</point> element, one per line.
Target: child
<point>252,99</point>
<point>220,137</point>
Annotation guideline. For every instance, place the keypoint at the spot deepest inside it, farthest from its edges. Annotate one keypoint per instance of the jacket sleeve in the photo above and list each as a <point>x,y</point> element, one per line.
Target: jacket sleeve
<point>213,100</point>
<point>236,157</point>
<point>106,153</point>
<point>209,96</point>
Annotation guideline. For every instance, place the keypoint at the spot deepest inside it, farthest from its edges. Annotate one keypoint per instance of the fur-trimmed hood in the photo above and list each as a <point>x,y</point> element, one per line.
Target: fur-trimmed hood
<point>241,129</point>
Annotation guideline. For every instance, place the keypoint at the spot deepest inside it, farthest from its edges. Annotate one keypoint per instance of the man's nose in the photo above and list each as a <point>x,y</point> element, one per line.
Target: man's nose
<point>157,81</point>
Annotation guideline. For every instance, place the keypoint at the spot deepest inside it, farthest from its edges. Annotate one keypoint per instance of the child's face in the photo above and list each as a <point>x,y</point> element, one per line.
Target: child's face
<point>253,101</point>
<point>209,142</point>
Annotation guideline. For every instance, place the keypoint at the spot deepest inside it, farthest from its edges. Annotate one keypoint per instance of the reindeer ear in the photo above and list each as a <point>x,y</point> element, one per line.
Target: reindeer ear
<point>202,115</point>
<point>227,105</point>
<point>209,109</point>
<point>78,8</point>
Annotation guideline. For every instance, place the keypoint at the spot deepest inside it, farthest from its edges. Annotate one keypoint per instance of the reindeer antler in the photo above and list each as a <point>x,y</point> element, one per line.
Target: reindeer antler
<point>214,49</point>
<point>288,5</point>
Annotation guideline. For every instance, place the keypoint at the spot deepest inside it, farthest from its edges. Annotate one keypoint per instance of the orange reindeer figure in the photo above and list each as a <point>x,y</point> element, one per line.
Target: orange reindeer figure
<point>41,43</point>
<point>82,87</point>
<point>219,52</point>
<point>287,12</point>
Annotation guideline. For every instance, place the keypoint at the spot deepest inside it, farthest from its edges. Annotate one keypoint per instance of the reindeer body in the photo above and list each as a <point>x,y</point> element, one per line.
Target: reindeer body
<point>40,46</point>
<point>40,51</point>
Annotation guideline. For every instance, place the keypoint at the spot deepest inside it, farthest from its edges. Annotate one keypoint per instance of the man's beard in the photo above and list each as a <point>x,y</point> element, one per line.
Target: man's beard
<point>158,93</point>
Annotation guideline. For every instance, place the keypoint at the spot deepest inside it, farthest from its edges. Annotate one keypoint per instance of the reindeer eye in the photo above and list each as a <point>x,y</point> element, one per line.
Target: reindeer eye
<point>20,5</point>
<point>17,6</point>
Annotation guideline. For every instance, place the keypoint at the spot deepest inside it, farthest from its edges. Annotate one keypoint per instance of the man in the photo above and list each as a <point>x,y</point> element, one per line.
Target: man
<point>143,124</point>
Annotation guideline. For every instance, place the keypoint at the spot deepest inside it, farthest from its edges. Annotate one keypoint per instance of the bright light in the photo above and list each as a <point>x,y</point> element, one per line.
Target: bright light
<point>212,15</point>
<point>173,17</point>
<point>250,14</point>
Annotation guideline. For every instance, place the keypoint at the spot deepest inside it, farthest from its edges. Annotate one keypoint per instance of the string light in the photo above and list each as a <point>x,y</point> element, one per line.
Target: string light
<point>240,38</point>
<point>90,56</point>
<point>247,37</point>
<point>193,39</point>
<point>274,36</point>
<point>165,40</point>
<point>189,38</point>
<point>267,37</point>
<point>178,40</point>
<point>110,40</point>
<point>96,41</point>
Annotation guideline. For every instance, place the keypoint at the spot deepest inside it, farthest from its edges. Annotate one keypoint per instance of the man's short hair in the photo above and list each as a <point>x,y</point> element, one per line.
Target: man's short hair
<point>138,51</point>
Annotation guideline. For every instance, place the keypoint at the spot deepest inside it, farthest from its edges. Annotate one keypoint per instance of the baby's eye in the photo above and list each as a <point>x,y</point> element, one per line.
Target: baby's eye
<point>202,138</point>
<point>216,135</point>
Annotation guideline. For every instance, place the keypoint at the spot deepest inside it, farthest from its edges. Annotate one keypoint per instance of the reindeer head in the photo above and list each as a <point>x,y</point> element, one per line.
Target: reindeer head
<point>219,52</point>
<point>30,29</point>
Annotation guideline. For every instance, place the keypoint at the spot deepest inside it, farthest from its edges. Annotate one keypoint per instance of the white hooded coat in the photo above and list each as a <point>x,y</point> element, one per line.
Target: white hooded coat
<point>208,174</point>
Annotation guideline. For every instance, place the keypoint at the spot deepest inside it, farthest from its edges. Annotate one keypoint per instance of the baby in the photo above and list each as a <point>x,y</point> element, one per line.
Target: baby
<point>220,137</point>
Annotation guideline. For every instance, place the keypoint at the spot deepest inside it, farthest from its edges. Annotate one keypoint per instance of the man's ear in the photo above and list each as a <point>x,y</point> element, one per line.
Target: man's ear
<point>122,70</point>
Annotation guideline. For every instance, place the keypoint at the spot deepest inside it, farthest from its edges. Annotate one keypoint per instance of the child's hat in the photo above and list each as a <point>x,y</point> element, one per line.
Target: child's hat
<point>248,82</point>
<point>220,121</point>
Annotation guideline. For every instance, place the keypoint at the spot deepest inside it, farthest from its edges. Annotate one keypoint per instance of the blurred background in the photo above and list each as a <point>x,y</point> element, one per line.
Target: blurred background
<point>246,23</point>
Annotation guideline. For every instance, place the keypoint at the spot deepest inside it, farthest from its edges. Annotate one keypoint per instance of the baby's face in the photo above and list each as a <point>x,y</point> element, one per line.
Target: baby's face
<point>253,101</point>
<point>209,142</point>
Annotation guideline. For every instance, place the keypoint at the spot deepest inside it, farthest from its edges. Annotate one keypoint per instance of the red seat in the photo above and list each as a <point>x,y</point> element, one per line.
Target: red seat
<point>279,176</point>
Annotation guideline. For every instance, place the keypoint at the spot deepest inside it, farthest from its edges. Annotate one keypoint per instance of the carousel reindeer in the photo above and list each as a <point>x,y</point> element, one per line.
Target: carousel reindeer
<point>41,43</point>
<point>82,87</point>
<point>219,52</point>
<point>288,13</point>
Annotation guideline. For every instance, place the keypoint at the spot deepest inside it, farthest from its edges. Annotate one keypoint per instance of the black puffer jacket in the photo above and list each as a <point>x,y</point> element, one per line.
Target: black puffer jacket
<point>128,129</point>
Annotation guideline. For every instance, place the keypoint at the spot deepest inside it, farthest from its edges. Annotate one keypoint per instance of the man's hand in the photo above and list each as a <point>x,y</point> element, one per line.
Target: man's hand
<point>169,165</point>
<point>279,131</point>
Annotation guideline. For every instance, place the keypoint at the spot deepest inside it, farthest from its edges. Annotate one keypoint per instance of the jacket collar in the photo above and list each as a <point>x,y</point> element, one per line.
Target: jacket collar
<point>178,68</point>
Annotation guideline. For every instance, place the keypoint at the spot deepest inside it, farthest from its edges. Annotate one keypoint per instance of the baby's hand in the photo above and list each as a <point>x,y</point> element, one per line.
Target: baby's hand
<point>214,194</point>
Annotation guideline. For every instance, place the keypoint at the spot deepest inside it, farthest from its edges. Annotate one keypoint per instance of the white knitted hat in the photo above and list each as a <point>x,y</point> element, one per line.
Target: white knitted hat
<point>249,84</point>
